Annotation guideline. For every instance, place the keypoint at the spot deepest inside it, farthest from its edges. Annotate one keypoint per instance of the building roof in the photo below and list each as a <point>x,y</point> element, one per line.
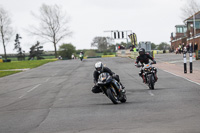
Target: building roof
<point>180,25</point>
<point>197,16</point>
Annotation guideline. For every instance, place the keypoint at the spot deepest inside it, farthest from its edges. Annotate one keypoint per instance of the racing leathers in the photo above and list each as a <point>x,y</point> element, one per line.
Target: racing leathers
<point>96,88</point>
<point>144,59</point>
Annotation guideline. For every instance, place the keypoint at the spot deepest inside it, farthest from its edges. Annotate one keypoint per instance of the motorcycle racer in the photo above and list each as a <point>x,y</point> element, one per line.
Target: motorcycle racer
<point>99,68</point>
<point>143,58</point>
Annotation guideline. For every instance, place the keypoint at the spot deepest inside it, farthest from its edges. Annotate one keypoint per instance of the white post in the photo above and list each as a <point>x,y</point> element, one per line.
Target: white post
<point>184,62</point>
<point>194,25</point>
<point>190,61</point>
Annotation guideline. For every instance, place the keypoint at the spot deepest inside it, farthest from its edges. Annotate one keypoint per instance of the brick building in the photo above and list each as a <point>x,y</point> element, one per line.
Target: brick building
<point>188,33</point>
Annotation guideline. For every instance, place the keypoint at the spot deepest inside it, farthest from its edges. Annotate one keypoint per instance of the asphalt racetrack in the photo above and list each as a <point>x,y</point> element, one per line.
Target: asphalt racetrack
<point>57,98</point>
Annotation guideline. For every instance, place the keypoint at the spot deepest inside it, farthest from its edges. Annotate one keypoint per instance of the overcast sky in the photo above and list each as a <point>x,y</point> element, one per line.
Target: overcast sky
<point>150,20</point>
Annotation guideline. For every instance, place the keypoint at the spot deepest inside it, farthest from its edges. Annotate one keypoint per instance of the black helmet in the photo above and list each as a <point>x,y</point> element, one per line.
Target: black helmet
<point>141,51</point>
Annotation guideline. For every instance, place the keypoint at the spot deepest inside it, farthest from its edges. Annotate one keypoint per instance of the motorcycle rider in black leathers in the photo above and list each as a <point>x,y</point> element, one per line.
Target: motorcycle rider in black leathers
<point>143,58</point>
<point>100,69</point>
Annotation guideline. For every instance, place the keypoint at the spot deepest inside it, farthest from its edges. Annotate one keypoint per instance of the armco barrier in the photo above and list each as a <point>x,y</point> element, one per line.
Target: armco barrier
<point>131,54</point>
<point>93,57</point>
<point>103,56</point>
<point>127,53</point>
<point>134,55</point>
<point>8,60</point>
<point>160,51</point>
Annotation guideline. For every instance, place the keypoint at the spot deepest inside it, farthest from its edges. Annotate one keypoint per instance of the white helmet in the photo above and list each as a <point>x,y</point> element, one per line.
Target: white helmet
<point>99,67</point>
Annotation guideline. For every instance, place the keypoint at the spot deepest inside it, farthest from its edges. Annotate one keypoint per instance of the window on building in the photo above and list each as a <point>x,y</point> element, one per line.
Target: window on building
<point>179,29</point>
<point>197,25</point>
<point>185,29</point>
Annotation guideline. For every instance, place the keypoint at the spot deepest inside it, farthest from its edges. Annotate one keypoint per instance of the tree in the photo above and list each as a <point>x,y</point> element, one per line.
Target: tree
<point>53,25</point>
<point>90,53</point>
<point>153,46</point>
<point>190,8</point>
<point>66,50</point>
<point>6,30</point>
<point>35,51</point>
<point>21,56</point>
<point>101,43</point>
<point>163,46</point>
<point>112,48</point>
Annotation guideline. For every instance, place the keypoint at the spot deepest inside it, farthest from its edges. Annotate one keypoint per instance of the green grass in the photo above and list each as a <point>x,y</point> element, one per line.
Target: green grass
<point>23,64</point>
<point>6,73</point>
<point>107,53</point>
<point>26,58</point>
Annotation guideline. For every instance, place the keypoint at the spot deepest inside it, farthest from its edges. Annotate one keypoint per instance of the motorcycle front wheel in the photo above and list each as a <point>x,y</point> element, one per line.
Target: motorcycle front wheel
<point>112,96</point>
<point>151,82</point>
<point>123,99</point>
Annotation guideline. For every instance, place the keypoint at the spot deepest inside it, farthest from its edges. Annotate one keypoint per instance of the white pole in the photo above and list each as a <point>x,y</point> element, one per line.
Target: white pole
<point>194,25</point>
<point>190,61</point>
<point>184,62</point>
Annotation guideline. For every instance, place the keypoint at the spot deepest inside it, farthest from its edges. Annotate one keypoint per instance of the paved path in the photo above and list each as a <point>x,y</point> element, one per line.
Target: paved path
<point>174,64</point>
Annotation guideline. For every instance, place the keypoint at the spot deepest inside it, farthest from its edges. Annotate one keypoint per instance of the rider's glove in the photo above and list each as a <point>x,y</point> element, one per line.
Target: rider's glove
<point>95,82</point>
<point>154,62</point>
<point>137,65</point>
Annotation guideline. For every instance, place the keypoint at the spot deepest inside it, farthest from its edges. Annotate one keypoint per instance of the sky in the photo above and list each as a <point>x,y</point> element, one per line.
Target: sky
<point>150,20</point>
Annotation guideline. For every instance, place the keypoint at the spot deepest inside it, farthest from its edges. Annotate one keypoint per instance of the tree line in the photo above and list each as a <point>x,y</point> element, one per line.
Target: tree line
<point>52,26</point>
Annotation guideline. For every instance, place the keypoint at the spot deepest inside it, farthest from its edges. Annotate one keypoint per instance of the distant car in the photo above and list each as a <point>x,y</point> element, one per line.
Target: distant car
<point>121,47</point>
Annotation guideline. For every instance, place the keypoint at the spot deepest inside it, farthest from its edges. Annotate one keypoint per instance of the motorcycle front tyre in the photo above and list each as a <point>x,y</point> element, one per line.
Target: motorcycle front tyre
<point>151,82</point>
<point>123,99</point>
<point>112,97</point>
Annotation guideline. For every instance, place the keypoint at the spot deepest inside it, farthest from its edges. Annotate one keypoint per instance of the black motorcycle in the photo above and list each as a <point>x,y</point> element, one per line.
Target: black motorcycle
<point>148,74</point>
<point>111,88</point>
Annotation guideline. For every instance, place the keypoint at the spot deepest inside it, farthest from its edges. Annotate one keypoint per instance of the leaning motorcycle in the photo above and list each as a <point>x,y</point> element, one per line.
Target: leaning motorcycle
<point>148,74</point>
<point>111,88</point>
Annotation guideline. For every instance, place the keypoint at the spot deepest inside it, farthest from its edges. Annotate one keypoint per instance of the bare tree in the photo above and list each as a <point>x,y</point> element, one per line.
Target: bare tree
<point>53,24</point>
<point>190,8</point>
<point>5,29</point>
<point>101,43</point>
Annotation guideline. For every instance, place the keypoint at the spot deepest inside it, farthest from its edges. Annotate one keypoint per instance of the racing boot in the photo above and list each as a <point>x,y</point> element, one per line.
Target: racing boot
<point>142,76</point>
<point>156,78</point>
<point>123,88</point>
<point>143,79</point>
<point>121,94</point>
<point>155,74</point>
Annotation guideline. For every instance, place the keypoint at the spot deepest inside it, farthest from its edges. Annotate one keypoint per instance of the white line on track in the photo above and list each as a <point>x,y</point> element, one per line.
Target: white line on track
<point>53,75</point>
<point>150,93</point>
<point>182,77</point>
<point>34,88</point>
<point>47,80</point>
<point>22,96</point>
<point>30,90</point>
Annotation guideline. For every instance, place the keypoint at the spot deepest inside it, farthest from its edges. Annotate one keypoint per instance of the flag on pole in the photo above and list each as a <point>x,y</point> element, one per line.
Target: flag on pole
<point>133,38</point>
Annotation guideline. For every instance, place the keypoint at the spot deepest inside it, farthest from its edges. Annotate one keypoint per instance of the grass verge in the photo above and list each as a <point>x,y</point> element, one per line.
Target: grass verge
<point>6,73</point>
<point>24,64</point>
